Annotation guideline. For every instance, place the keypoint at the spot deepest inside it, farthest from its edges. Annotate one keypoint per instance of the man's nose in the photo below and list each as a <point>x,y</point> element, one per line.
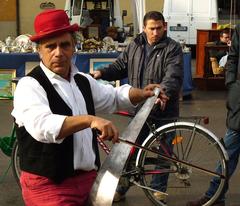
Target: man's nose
<point>155,32</point>
<point>58,51</point>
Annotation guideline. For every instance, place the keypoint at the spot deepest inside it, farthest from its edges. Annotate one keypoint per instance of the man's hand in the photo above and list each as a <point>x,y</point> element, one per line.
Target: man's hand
<point>162,98</point>
<point>229,43</point>
<point>96,74</point>
<point>138,95</point>
<point>148,91</point>
<point>107,130</point>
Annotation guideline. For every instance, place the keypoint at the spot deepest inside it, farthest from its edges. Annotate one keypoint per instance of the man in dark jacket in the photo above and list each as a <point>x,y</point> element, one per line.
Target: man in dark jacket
<point>224,39</point>
<point>232,137</point>
<point>151,57</point>
<point>218,58</point>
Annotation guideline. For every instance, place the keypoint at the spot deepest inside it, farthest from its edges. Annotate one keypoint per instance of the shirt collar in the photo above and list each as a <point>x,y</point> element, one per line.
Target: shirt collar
<point>52,75</point>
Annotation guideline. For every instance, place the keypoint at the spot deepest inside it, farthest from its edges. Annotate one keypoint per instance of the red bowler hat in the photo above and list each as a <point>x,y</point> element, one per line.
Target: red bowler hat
<point>52,22</point>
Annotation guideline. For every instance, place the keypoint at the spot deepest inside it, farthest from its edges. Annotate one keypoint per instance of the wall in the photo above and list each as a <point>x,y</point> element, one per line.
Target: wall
<point>7,18</point>
<point>154,5</point>
<point>127,5</point>
<point>27,15</point>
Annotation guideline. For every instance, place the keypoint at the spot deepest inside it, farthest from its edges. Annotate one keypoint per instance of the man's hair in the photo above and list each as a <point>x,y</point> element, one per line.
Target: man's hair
<point>224,31</point>
<point>153,15</point>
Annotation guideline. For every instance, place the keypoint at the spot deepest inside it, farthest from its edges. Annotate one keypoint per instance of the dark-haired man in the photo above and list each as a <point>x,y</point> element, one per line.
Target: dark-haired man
<point>218,58</point>
<point>151,57</point>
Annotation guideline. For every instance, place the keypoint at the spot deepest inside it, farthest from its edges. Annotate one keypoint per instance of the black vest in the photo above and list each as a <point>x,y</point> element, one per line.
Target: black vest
<point>54,161</point>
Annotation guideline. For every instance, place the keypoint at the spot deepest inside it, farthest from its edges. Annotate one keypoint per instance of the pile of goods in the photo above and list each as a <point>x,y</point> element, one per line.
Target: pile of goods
<point>92,45</point>
<point>21,44</point>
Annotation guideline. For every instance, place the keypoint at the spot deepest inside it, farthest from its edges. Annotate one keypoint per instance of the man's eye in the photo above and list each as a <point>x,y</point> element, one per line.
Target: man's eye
<point>51,46</point>
<point>65,45</point>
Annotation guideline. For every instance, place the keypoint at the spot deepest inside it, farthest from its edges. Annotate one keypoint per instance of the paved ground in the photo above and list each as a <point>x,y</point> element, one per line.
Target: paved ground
<point>203,103</point>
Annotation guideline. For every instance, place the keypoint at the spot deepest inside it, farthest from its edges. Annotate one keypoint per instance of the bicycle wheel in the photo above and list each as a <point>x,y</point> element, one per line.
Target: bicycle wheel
<point>191,143</point>
<point>15,162</point>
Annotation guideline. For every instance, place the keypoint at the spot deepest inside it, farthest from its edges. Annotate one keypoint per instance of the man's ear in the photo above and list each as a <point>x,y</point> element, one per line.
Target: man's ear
<point>165,26</point>
<point>144,28</point>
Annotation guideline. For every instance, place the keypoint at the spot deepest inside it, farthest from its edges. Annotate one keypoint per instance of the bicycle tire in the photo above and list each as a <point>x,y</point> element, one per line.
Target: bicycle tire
<point>15,163</point>
<point>184,183</point>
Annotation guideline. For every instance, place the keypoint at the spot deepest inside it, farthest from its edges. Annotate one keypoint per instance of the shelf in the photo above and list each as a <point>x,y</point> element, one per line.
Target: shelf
<point>209,83</point>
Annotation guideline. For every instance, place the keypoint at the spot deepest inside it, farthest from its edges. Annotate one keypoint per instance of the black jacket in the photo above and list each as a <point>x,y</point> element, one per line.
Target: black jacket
<point>164,65</point>
<point>232,82</point>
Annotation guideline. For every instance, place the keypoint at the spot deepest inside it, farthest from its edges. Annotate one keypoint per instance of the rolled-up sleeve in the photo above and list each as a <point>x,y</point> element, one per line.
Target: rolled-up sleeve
<point>109,99</point>
<point>31,110</point>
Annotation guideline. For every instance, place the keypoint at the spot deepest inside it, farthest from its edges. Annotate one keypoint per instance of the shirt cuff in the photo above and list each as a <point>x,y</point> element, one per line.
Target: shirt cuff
<point>54,126</point>
<point>123,96</point>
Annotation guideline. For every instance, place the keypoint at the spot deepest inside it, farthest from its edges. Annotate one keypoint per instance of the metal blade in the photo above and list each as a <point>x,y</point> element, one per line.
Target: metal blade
<point>107,180</point>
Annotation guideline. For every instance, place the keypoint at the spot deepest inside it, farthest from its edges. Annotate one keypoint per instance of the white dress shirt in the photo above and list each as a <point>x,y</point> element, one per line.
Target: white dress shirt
<point>31,110</point>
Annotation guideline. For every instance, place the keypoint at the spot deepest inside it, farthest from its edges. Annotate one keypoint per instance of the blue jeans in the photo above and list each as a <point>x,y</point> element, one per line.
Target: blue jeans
<point>232,145</point>
<point>159,182</point>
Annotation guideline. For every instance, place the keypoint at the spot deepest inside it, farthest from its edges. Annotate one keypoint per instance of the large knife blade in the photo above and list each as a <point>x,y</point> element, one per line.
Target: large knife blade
<point>108,176</point>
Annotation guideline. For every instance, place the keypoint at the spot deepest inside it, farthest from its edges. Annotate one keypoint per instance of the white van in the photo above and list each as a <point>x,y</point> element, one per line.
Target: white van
<point>184,17</point>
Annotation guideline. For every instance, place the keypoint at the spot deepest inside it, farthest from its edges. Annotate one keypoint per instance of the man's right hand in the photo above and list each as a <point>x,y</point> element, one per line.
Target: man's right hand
<point>107,130</point>
<point>96,74</point>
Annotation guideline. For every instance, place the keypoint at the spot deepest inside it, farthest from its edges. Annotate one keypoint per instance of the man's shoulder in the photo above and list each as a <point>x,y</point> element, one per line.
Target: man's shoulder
<point>171,43</point>
<point>139,39</point>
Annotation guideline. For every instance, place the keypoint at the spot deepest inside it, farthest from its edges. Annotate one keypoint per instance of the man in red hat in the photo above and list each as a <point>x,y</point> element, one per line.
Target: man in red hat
<point>54,109</point>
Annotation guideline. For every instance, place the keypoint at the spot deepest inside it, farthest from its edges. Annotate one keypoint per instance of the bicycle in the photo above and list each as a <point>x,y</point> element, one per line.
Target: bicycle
<point>185,164</point>
<point>189,169</point>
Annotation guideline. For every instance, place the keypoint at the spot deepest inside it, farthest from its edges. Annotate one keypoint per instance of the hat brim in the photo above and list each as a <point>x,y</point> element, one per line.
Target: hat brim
<point>71,28</point>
